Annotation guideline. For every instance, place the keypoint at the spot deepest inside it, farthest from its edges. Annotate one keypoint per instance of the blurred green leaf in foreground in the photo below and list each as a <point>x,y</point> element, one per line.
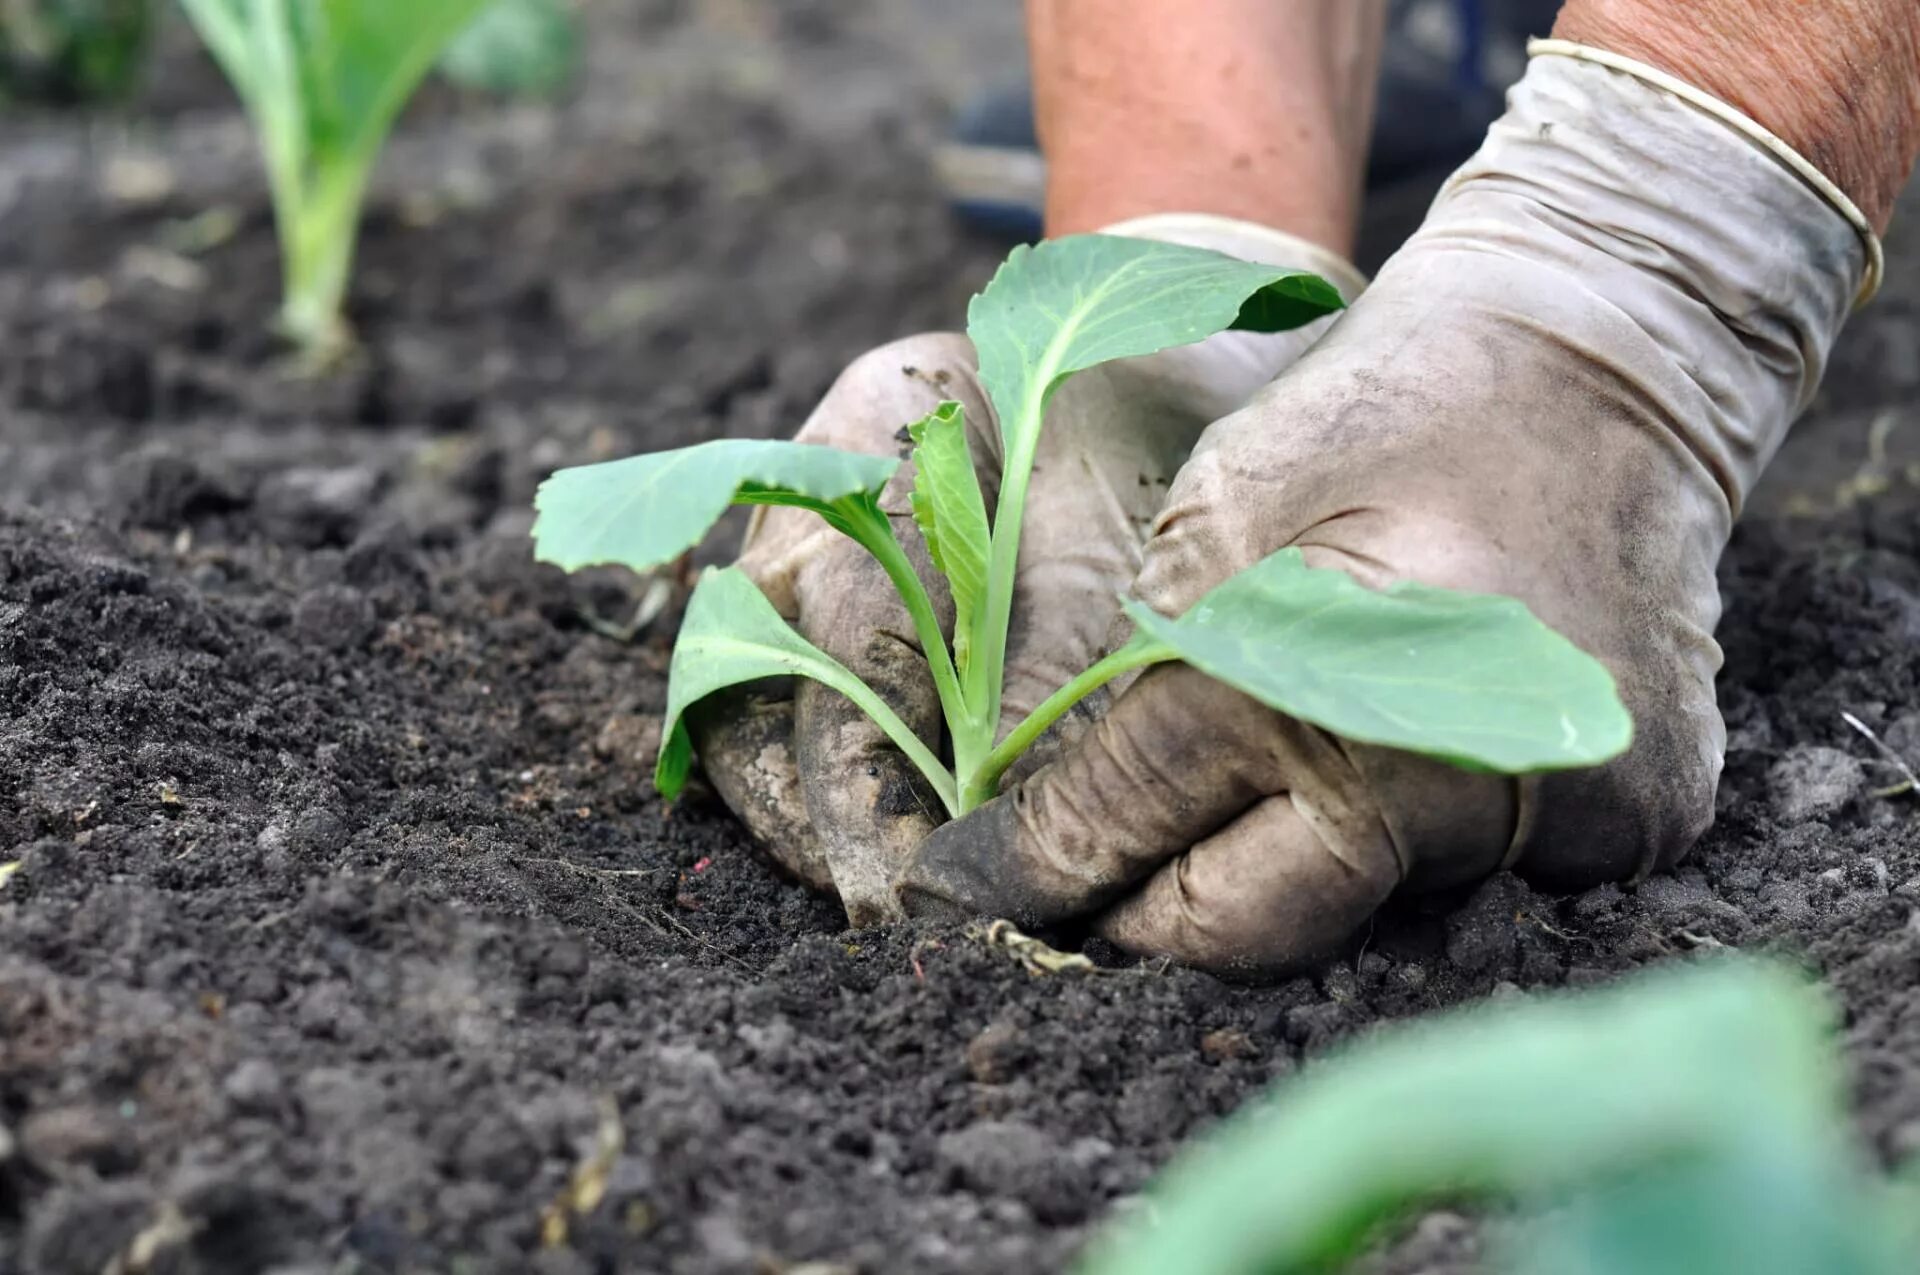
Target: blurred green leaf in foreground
<point>1690,1120</point>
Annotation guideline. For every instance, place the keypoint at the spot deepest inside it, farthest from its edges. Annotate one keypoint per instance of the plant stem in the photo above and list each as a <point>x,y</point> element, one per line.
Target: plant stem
<point>874,531</point>
<point>987,665</point>
<point>980,785</point>
<point>317,242</point>
<point>869,702</point>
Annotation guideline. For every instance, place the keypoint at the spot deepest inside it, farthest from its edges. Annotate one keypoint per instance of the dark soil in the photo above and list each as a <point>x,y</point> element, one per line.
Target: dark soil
<point>347,923</point>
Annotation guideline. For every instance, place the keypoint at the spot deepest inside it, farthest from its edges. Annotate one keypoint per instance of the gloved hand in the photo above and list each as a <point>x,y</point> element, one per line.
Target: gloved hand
<point>811,776</point>
<point>1560,389</point>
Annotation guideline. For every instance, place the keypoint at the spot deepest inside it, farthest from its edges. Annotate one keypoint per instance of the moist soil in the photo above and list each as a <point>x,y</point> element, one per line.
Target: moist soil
<point>347,928</point>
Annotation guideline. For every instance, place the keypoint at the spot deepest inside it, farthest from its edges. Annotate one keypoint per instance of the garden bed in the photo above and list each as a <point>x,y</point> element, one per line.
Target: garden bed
<point>347,927</point>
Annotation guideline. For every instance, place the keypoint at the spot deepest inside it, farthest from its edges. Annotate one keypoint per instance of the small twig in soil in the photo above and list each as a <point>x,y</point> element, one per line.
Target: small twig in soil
<point>588,1186</point>
<point>1036,957</point>
<point>652,603</point>
<point>167,1230</point>
<point>1894,759</point>
<point>586,871</point>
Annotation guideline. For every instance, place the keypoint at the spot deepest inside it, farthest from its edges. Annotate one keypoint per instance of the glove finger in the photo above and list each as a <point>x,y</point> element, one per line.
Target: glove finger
<point>744,736</point>
<point>1273,890</point>
<point>867,803</point>
<point>1177,758</point>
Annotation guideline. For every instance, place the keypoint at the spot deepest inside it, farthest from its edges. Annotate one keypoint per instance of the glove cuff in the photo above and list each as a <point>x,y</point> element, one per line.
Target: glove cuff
<point>1714,276</point>
<point>1248,241</point>
<point>1740,122</point>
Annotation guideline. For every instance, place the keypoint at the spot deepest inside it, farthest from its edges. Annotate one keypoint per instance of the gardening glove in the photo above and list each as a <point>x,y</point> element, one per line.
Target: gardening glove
<point>808,773</point>
<point>1560,389</point>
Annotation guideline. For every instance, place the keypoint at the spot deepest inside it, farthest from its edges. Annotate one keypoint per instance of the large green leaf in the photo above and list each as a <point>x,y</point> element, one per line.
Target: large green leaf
<point>646,510</point>
<point>1068,304</point>
<point>515,46</point>
<point>732,634</point>
<point>1718,1212</point>
<point>1468,678</point>
<point>1729,1067</point>
<point>951,514</point>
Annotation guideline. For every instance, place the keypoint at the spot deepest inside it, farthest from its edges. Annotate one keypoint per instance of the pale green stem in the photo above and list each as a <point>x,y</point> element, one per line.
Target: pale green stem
<point>876,535</point>
<point>987,666</point>
<point>982,784</point>
<point>317,237</point>
<point>868,701</point>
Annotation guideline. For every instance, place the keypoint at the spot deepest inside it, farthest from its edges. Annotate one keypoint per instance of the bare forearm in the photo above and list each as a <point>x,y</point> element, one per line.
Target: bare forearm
<point>1839,80</point>
<point>1258,109</point>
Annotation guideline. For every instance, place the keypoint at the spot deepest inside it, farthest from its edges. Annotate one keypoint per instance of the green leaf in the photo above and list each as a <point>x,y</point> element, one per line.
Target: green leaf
<point>515,46</point>
<point>951,514</point>
<point>1068,304</point>
<point>1471,679</point>
<point>1730,1063</point>
<point>1715,1214</point>
<point>732,634</point>
<point>646,510</point>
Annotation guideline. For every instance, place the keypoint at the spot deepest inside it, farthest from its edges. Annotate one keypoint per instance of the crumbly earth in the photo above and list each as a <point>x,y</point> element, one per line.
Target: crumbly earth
<point>346,927</point>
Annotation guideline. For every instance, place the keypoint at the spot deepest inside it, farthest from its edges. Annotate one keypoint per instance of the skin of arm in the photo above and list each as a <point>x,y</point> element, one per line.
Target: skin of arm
<point>1255,109</point>
<point>1261,109</point>
<point>1837,80</point>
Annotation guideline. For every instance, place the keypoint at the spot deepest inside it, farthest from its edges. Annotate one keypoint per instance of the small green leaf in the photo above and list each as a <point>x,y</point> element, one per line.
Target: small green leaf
<point>646,510</point>
<point>951,514</point>
<point>1068,304</point>
<point>514,46</point>
<point>732,634</point>
<point>1471,679</point>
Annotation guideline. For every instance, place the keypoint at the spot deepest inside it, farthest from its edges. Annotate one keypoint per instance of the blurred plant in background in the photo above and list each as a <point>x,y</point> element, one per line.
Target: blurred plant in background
<point>1690,1121</point>
<point>322,82</point>
<point>69,51</point>
<point>523,47</point>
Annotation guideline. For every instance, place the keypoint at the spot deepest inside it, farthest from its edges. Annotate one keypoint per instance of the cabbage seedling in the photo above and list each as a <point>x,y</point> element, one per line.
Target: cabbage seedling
<point>323,81</point>
<point>1475,680</point>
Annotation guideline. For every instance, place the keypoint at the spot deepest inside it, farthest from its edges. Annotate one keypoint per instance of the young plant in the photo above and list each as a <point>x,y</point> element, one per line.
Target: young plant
<point>1690,1123</point>
<point>67,51</point>
<point>1471,679</point>
<point>323,81</point>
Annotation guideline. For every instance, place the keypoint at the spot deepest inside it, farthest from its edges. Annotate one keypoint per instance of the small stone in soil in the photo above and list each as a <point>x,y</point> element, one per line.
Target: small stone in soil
<point>1812,782</point>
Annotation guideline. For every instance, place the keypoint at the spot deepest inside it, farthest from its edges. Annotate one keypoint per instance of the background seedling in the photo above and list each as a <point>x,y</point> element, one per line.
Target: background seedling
<point>67,51</point>
<point>323,81</point>
<point>1474,680</point>
<point>1689,1123</point>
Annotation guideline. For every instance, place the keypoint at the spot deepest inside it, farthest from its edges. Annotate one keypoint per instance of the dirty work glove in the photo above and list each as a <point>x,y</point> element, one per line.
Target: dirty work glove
<point>1560,389</point>
<point>817,782</point>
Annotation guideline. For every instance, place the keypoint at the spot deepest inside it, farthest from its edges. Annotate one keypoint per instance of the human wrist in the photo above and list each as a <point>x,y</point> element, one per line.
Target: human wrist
<point>1840,83</point>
